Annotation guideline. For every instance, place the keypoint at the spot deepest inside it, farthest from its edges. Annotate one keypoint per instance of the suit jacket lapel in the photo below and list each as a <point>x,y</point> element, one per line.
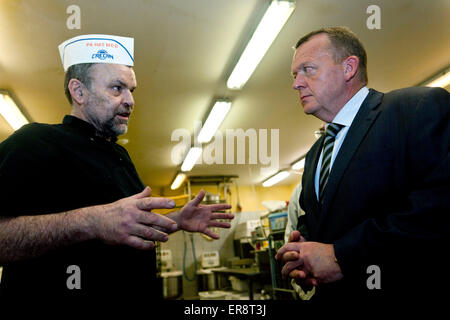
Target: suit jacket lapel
<point>308,191</point>
<point>357,131</point>
<point>311,174</point>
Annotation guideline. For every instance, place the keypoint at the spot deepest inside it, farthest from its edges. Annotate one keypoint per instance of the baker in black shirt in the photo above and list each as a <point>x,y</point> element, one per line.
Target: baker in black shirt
<point>71,196</point>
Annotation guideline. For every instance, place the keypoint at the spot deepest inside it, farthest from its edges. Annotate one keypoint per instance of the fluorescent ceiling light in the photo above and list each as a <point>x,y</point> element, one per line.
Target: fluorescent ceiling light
<point>178,181</point>
<point>10,111</point>
<point>275,179</point>
<point>440,81</point>
<point>191,159</point>
<point>299,165</point>
<point>270,25</point>
<point>212,123</point>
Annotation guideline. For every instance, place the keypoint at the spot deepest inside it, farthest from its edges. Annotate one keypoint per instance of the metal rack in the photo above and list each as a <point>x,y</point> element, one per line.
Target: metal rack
<point>219,181</point>
<point>278,285</point>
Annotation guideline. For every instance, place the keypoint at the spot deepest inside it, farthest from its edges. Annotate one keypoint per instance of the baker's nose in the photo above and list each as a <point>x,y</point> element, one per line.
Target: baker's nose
<point>128,98</point>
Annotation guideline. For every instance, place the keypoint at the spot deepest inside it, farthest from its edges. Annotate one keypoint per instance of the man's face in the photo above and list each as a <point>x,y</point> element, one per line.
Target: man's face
<point>110,99</point>
<point>318,79</point>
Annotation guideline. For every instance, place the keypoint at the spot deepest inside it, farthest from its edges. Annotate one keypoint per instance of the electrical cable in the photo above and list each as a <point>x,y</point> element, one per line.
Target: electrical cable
<point>184,258</point>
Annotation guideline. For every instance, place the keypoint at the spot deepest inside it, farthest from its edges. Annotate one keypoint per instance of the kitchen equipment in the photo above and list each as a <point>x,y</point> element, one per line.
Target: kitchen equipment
<point>172,284</point>
<point>238,284</point>
<point>278,221</point>
<point>166,260</point>
<point>213,295</point>
<point>207,279</point>
<point>210,259</point>
<point>211,198</point>
<point>172,279</point>
<point>244,229</point>
<point>274,205</point>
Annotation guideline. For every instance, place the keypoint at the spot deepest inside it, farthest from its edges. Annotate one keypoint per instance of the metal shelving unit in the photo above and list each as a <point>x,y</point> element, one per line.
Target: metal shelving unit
<point>279,286</point>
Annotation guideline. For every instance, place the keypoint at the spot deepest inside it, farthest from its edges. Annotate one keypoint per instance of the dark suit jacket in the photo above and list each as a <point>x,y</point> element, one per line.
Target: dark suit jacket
<point>387,200</point>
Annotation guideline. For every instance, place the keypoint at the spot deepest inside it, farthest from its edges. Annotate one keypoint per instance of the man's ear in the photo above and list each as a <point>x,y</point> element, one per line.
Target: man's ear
<point>77,91</point>
<point>350,66</point>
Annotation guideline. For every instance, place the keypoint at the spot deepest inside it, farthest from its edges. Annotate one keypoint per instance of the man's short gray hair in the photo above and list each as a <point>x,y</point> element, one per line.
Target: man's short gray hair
<point>77,71</point>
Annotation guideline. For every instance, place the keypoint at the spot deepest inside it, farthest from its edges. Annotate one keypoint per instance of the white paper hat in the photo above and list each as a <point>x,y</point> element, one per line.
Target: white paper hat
<point>97,48</point>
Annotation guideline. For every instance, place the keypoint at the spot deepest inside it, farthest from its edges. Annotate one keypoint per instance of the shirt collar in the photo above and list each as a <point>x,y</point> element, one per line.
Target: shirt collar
<point>346,115</point>
<point>83,127</point>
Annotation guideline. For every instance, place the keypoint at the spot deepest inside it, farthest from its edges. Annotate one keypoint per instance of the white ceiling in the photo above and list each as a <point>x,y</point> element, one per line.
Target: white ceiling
<point>184,51</point>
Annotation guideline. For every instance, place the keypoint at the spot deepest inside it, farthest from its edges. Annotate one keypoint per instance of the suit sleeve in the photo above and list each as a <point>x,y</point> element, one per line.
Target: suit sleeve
<point>420,229</point>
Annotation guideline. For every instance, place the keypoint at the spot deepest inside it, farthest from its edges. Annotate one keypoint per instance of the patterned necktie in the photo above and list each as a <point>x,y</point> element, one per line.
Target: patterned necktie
<point>330,135</point>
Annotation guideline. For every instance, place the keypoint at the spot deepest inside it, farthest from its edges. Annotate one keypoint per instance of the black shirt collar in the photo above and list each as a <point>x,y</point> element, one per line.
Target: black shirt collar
<point>83,127</point>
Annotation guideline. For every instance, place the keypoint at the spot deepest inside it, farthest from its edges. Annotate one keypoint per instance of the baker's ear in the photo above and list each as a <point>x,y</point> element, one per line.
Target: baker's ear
<point>77,91</point>
<point>350,66</point>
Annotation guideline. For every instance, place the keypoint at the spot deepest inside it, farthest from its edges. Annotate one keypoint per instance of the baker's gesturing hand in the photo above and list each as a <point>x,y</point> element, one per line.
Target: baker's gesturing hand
<point>196,217</point>
<point>129,221</point>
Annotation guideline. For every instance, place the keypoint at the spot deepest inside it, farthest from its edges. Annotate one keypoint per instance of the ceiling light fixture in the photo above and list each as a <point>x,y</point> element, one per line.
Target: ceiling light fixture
<point>270,25</point>
<point>191,158</point>
<point>178,181</point>
<point>10,111</point>
<point>214,120</point>
<point>299,165</point>
<point>275,179</point>
<point>442,79</point>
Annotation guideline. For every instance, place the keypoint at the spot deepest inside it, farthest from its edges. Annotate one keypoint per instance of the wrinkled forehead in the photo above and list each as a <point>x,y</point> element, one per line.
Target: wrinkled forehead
<point>105,72</point>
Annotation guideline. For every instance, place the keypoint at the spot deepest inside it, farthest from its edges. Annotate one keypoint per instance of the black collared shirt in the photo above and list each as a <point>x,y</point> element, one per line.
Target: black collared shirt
<point>55,168</point>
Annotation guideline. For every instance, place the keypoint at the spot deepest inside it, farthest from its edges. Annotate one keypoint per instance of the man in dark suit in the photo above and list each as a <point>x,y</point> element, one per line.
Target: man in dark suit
<point>376,186</point>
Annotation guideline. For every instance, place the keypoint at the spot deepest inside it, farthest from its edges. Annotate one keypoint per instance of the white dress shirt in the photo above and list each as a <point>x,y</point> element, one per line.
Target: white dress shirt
<point>344,117</point>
